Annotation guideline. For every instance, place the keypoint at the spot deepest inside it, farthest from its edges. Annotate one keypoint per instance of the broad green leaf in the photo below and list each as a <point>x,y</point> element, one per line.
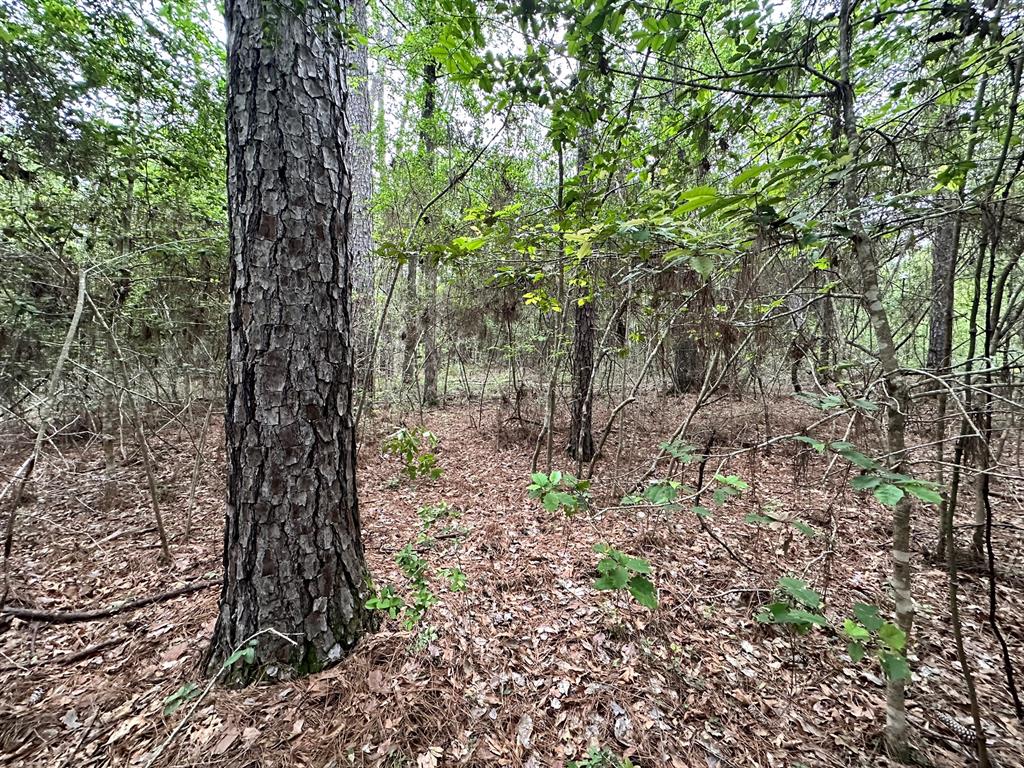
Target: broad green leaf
<point>636,565</point>
<point>856,651</point>
<point>889,495</point>
<point>815,444</point>
<point>865,482</point>
<point>804,528</point>
<point>868,616</point>
<point>892,636</point>
<point>925,494</point>
<point>855,631</point>
<point>616,578</point>
<point>895,666</point>
<point>643,592</point>
<point>799,591</point>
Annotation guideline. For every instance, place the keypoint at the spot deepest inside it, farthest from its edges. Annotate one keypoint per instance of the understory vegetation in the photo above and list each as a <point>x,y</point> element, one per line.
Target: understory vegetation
<point>605,383</point>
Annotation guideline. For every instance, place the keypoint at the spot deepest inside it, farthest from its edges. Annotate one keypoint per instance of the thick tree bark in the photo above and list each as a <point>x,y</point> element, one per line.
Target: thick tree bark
<point>293,559</point>
<point>429,319</point>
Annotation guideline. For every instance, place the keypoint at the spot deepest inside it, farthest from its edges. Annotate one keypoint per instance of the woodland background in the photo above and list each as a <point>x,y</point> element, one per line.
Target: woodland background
<point>729,289</point>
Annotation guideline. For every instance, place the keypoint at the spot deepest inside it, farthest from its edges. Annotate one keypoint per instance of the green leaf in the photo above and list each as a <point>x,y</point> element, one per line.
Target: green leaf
<point>856,651</point>
<point>539,478</point>
<point>815,444</point>
<point>799,591</point>
<point>616,578</point>
<point>756,518</point>
<point>924,493</point>
<point>865,482</point>
<point>636,565</point>
<point>855,631</point>
<point>892,636</point>
<point>702,265</point>
<point>868,616</point>
<point>889,495</point>
<point>556,476</point>
<point>643,592</point>
<point>804,528</point>
<point>800,616</point>
<point>895,666</point>
<point>700,511</point>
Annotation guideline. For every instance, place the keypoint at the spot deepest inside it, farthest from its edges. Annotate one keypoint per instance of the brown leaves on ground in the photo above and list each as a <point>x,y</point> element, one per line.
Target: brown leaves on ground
<point>530,665</point>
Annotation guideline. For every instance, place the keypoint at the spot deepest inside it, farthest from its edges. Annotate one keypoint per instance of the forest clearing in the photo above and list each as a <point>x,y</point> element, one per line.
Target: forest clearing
<point>572,383</point>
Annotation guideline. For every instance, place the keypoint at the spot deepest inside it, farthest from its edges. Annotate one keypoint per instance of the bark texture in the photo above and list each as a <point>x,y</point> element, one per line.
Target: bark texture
<point>293,559</point>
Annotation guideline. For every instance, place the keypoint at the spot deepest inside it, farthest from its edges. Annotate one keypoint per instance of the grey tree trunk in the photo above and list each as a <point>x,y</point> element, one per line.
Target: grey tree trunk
<point>940,328</point>
<point>293,559</point>
<point>360,160</point>
<point>865,255</point>
<point>429,319</point>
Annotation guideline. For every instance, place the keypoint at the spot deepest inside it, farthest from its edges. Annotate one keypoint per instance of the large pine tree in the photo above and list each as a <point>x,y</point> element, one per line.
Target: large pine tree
<point>293,559</point>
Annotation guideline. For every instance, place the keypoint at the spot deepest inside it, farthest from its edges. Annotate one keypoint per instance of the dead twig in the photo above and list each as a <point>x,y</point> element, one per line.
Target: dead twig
<point>71,617</point>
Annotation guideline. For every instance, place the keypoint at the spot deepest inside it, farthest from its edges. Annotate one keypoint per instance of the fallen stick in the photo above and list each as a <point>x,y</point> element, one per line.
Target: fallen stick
<point>69,658</point>
<point>71,617</point>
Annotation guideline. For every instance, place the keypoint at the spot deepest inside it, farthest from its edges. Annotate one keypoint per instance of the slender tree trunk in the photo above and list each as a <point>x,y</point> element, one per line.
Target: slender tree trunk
<point>293,558</point>
<point>411,331</point>
<point>581,438</point>
<point>864,252</point>
<point>360,160</point>
<point>429,318</point>
<point>940,327</point>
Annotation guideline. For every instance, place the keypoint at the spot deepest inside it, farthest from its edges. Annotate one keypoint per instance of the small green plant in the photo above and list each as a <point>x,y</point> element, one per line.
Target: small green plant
<point>798,607</point>
<point>888,487</point>
<point>386,600</point>
<point>456,579</point>
<point>728,486</point>
<point>868,633</point>
<point>431,514</point>
<point>601,758</point>
<point>414,447</point>
<point>413,608</point>
<point>620,571</point>
<point>560,491</point>
<point>660,493</point>
<point>173,702</point>
<point>678,450</point>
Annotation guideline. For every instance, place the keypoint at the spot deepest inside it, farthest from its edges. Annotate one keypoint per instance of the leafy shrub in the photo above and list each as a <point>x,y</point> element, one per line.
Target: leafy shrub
<point>888,487</point>
<point>869,634</point>
<point>798,606</point>
<point>601,758</point>
<point>414,447</point>
<point>620,571</point>
<point>560,491</point>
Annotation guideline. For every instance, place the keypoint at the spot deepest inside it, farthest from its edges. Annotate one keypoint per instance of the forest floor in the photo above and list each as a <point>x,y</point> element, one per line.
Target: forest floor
<point>529,664</point>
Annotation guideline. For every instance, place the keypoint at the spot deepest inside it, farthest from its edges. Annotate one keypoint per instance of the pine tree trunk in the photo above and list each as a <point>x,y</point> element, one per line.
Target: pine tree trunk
<point>293,559</point>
